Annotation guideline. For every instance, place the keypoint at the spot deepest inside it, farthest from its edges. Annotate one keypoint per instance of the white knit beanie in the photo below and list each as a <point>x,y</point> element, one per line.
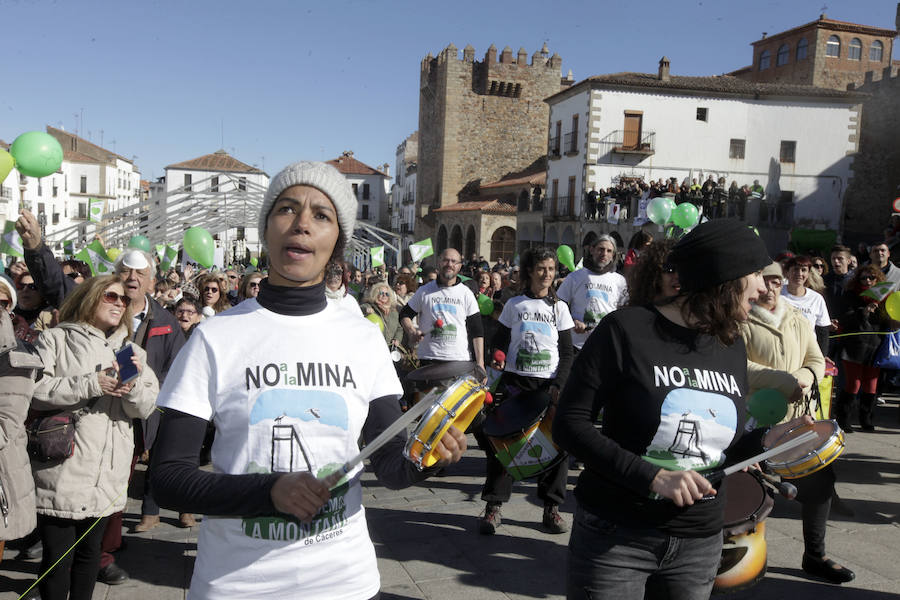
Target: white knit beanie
<point>324,178</point>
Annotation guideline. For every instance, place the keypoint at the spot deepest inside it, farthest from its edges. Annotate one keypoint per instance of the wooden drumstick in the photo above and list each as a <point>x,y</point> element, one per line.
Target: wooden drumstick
<point>718,474</point>
<point>393,429</point>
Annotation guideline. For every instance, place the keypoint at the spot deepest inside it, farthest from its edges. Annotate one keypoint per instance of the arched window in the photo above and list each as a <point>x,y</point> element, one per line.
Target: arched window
<point>876,52</point>
<point>441,239</point>
<point>470,241</point>
<point>854,51</point>
<point>802,49</point>
<point>456,238</point>
<point>764,60</point>
<point>833,47</point>
<point>503,244</point>
<point>784,53</point>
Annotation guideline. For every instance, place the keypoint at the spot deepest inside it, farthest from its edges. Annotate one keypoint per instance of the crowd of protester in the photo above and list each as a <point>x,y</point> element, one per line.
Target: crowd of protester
<point>714,198</point>
<point>70,322</point>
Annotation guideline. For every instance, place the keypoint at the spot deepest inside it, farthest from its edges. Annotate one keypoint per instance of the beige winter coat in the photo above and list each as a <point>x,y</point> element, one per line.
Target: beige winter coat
<point>92,482</point>
<point>780,345</point>
<point>19,367</point>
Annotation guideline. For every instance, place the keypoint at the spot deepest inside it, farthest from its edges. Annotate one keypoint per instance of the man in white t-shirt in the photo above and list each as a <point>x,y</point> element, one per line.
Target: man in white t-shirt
<point>448,316</point>
<point>593,291</point>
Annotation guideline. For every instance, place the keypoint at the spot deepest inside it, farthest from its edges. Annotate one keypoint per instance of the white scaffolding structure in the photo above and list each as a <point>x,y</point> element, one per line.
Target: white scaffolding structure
<point>234,202</point>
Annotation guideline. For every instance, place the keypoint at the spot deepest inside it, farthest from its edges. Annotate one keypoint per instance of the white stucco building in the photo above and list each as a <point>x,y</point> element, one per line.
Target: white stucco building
<point>371,187</point>
<point>798,141</point>
<point>403,191</point>
<point>215,191</point>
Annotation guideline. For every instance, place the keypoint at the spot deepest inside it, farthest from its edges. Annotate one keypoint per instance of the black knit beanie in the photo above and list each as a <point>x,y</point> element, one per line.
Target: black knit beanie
<point>715,252</point>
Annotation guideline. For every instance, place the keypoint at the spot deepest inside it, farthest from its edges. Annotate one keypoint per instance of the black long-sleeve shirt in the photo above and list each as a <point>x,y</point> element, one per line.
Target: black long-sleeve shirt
<point>671,398</point>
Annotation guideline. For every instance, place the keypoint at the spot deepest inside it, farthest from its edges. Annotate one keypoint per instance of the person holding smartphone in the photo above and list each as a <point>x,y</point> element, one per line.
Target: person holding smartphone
<point>81,375</point>
<point>290,382</point>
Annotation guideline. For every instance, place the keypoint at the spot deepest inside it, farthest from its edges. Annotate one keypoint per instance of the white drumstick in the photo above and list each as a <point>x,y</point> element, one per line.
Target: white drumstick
<point>393,429</point>
<point>797,441</point>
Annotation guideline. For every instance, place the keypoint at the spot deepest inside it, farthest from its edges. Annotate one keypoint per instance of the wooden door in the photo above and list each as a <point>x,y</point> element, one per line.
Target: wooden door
<point>632,137</point>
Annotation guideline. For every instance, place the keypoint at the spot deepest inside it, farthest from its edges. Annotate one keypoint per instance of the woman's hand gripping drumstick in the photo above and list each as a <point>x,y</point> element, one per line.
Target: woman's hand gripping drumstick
<point>685,487</point>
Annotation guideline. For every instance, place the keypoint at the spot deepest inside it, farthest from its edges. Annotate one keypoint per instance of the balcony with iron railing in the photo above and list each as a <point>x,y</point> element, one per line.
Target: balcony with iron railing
<point>570,143</point>
<point>553,147</point>
<point>558,209</point>
<point>530,204</point>
<point>621,142</point>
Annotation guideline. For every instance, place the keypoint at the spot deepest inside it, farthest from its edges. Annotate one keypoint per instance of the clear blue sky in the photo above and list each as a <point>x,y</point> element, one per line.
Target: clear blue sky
<point>292,79</point>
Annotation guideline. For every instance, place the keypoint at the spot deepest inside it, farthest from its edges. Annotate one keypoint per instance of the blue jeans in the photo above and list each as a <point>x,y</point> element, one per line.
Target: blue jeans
<point>608,560</point>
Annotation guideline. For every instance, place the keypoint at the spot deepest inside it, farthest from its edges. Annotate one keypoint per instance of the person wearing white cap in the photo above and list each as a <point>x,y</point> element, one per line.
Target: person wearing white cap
<point>290,383</point>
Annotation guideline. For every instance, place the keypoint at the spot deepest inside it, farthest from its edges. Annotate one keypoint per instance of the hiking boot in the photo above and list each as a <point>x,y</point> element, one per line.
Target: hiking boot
<point>553,521</point>
<point>490,520</point>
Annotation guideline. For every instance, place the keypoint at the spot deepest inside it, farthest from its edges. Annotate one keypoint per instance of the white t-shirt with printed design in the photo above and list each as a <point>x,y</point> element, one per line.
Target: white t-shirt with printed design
<point>591,297</point>
<point>442,314</point>
<point>534,325</point>
<point>811,304</point>
<point>286,394</point>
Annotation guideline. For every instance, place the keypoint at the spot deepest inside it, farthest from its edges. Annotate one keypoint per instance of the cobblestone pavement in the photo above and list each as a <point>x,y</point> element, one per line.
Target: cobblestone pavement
<point>428,546</point>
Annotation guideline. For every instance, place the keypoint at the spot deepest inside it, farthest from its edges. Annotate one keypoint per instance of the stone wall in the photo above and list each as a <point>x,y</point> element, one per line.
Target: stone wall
<point>479,120</point>
<point>876,169</point>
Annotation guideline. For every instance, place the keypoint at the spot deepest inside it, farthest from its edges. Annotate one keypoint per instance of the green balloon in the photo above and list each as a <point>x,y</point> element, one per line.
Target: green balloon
<point>198,243</point>
<point>254,261</point>
<point>892,305</point>
<point>659,210</point>
<point>685,215</point>
<point>140,242</point>
<point>768,406</point>
<point>376,319</point>
<point>566,257</point>
<point>7,162</point>
<point>37,154</point>
<point>485,305</point>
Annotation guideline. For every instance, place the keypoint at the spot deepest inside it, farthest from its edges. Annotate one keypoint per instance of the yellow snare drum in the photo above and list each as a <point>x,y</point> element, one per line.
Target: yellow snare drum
<point>455,404</point>
<point>809,458</point>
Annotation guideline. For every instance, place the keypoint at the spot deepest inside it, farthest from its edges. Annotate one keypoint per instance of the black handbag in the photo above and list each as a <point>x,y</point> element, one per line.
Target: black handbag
<point>51,437</point>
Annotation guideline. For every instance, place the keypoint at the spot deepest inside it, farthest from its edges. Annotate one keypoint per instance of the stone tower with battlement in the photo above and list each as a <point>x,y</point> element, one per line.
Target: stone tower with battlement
<point>479,120</point>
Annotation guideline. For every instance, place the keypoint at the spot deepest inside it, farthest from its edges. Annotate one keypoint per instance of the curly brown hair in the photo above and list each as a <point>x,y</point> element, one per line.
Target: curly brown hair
<point>645,278</point>
<point>218,279</point>
<point>716,311</point>
<point>855,283</point>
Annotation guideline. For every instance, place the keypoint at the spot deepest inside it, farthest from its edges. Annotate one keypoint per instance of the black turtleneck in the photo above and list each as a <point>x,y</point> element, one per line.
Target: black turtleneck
<point>293,301</point>
<point>178,482</point>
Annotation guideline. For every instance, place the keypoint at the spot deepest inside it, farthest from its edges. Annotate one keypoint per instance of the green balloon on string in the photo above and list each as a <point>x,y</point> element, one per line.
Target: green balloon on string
<point>199,245</point>
<point>685,215</point>
<point>485,305</point>
<point>566,257</point>
<point>768,406</point>
<point>140,242</point>
<point>37,154</point>
<point>254,261</point>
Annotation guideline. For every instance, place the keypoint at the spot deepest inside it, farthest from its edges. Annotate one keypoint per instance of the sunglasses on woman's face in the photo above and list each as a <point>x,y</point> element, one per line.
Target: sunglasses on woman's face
<point>820,266</point>
<point>868,278</point>
<point>254,284</point>
<point>113,297</point>
<point>210,289</point>
<point>30,286</point>
<point>384,294</point>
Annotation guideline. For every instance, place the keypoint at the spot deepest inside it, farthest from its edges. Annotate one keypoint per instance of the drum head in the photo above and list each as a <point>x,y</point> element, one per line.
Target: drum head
<point>746,500</point>
<point>824,430</point>
<point>516,414</point>
<point>440,371</point>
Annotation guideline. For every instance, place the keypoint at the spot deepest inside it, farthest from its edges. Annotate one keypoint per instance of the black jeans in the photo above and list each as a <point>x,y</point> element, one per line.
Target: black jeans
<point>74,577</point>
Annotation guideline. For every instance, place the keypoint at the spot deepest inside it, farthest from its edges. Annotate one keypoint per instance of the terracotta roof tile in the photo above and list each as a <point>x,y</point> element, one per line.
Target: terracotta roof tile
<point>348,165</point>
<point>493,206</point>
<point>717,84</point>
<point>74,156</point>
<point>219,161</point>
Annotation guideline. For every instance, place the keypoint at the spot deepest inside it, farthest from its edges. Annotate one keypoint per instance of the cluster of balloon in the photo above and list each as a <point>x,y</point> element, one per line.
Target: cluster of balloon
<point>34,153</point>
<point>199,245</point>
<point>485,305</point>
<point>566,257</point>
<point>662,210</point>
<point>768,406</point>
<point>139,242</point>
<point>892,305</point>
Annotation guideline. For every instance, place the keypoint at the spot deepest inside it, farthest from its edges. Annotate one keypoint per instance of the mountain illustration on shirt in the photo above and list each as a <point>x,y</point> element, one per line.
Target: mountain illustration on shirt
<point>447,314</point>
<point>695,428</point>
<point>595,310</point>
<point>282,421</point>
<point>529,356</point>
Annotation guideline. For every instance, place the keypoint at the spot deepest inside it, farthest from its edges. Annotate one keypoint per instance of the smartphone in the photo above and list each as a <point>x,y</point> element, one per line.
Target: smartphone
<point>127,370</point>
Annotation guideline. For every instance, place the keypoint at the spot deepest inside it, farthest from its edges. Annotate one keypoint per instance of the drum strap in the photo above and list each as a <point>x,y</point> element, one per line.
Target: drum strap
<point>814,399</point>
